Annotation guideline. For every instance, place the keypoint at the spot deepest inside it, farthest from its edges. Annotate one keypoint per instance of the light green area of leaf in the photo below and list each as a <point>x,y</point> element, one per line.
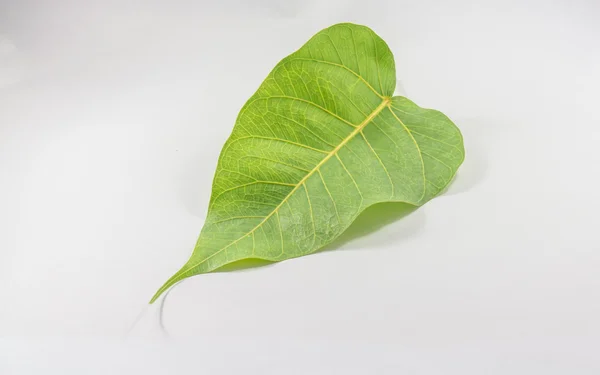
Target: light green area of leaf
<point>322,139</point>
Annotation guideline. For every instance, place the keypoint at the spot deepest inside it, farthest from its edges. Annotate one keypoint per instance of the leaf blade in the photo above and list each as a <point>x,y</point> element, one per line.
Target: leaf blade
<point>313,147</point>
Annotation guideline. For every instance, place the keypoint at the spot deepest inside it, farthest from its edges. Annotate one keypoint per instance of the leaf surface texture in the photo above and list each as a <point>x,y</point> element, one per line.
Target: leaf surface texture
<point>320,140</point>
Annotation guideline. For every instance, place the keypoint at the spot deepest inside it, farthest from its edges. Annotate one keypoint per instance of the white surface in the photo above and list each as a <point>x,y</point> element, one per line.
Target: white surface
<point>112,117</point>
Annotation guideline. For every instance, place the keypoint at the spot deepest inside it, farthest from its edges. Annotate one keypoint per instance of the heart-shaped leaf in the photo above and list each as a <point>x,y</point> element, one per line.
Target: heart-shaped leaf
<point>322,139</point>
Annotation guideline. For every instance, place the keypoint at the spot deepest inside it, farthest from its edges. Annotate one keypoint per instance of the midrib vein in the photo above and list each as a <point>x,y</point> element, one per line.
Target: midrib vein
<point>386,101</point>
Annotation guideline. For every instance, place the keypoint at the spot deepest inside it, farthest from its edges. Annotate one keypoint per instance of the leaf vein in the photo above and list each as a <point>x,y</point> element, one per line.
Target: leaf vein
<point>380,162</point>
<point>383,104</point>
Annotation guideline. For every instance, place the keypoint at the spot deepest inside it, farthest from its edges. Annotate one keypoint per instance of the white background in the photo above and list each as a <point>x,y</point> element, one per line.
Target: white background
<point>113,114</point>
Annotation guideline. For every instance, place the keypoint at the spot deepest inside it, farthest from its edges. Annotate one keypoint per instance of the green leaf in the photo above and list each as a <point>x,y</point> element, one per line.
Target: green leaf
<point>321,140</point>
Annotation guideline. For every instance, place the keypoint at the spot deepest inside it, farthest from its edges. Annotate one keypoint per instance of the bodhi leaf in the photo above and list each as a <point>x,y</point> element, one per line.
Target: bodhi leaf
<point>321,139</point>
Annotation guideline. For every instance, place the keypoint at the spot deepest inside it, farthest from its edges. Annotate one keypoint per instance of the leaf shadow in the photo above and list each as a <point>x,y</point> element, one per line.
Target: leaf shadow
<point>244,264</point>
<point>374,219</point>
